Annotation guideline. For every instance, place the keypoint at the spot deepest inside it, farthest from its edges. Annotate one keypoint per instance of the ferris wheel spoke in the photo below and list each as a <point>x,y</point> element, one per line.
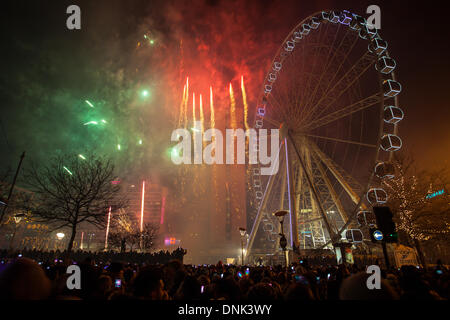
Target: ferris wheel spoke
<point>343,141</point>
<point>339,57</point>
<point>330,40</point>
<point>279,106</point>
<point>342,85</point>
<point>344,112</point>
<point>308,86</point>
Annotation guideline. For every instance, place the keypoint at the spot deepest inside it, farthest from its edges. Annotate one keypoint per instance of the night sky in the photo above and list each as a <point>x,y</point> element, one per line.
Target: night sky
<point>48,71</point>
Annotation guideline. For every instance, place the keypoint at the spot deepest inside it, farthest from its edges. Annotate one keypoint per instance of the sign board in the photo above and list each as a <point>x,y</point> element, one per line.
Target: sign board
<point>435,194</point>
<point>405,256</point>
<point>378,235</point>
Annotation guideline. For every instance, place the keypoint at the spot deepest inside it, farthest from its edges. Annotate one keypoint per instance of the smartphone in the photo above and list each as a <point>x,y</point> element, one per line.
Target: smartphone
<point>328,276</point>
<point>318,279</point>
<point>221,275</point>
<point>301,279</point>
<point>247,271</point>
<point>239,274</point>
<point>118,283</point>
<point>202,289</point>
<point>438,271</point>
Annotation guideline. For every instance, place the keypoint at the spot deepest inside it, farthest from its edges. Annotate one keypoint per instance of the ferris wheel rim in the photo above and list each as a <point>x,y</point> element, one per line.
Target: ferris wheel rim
<point>281,58</point>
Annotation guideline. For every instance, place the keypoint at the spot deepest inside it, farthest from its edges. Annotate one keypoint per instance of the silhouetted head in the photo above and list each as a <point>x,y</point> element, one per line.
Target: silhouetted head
<point>148,284</point>
<point>262,291</point>
<point>355,288</point>
<point>24,279</point>
<point>299,291</point>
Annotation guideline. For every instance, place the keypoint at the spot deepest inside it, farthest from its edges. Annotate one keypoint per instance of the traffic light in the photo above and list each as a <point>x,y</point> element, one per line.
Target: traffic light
<point>385,224</point>
<point>392,237</point>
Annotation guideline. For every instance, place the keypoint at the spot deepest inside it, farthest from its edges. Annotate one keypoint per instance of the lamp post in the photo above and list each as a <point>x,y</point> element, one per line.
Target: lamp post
<point>17,218</point>
<point>60,236</point>
<point>283,242</point>
<point>243,233</point>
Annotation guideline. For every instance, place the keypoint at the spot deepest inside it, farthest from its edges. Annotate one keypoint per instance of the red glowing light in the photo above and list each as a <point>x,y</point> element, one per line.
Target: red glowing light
<point>142,205</point>
<point>163,208</point>
<point>107,228</point>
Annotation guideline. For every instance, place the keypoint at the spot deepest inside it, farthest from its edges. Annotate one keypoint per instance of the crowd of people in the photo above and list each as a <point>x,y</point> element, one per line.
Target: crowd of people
<point>24,278</point>
<point>102,257</point>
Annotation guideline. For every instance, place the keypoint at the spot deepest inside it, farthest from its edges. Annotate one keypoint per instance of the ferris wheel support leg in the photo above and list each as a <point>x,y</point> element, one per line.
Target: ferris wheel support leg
<point>292,205</point>
<point>339,177</point>
<point>333,235</point>
<point>260,211</point>
<point>283,191</point>
<point>334,196</point>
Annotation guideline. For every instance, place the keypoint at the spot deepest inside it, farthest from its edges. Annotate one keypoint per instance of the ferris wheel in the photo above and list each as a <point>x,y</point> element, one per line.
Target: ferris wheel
<point>332,92</point>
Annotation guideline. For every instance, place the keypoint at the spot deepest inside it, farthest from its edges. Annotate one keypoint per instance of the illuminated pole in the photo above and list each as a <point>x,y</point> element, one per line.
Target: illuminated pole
<point>142,206</point>
<point>12,187</point>
<point>232,108</point>
<point>81,242</point>
<point>142,212</point>
<point>163,209</point>
<point>244,98</point>
<point>211,103</point>
<point>107,228</point>
<point>202,118</point>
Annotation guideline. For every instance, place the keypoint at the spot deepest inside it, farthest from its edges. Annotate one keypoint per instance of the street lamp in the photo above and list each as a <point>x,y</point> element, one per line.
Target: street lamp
<point>17,218</point>
<point>283,242</point>
<point>60,236</point>
<point>243,233</point>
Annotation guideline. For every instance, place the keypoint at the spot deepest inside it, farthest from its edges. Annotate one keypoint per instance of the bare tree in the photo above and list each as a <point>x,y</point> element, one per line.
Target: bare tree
<point>148,236</point>
<point>70,190</point>
<point>125,232</point>
<point>417,216</point>
<point>121,231</point>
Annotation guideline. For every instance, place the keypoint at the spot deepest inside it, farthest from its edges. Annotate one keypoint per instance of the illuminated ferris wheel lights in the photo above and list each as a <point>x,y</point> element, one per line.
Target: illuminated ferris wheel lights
<point>384,170</point>
<point>305,29</point>
<point>378,46</point>
<point>290,45</point>
<point>366,218</point>
<point>297,36</point>
<point>345,18</point>
<point>385,65</point>
<point>354,235</point>
<point>334,16</point>
<point>277,66</point>
<point>357,22</point>
<point>391,88</point>
<point>372,33</point>
<point>325,16</point>
<point>391,142</point>
<point>376,196</point>
<point>393,114</point>
<point>314,23</point>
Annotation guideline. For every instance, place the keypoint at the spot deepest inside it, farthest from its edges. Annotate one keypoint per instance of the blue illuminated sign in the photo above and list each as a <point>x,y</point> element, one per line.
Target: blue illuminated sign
<point>435,194</point>
<point>378,235</point>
